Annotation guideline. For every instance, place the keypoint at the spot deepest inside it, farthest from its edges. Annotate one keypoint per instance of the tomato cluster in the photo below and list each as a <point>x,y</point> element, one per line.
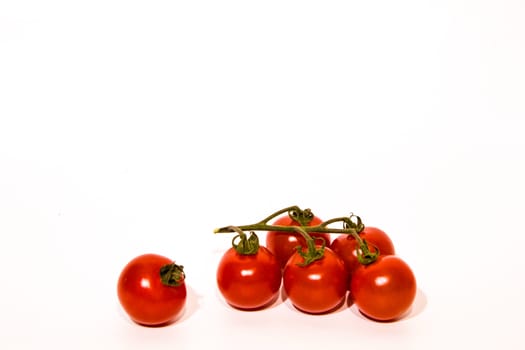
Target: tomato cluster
<point>317,273</point>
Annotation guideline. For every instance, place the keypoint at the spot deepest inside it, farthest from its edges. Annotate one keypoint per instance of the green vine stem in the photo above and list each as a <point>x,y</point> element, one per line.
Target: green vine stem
<point>303,217</point>
<point>352,225</point>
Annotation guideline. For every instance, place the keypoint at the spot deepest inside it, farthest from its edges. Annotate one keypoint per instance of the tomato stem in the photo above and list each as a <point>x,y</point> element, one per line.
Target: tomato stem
<point>247,245</point>
<point>321,228</point>
<point>352,225</point>
<point>303,217</point>
<point>265,227</point>
<point>293,208</point>
<point>364,255</point>
<point>312,253</point>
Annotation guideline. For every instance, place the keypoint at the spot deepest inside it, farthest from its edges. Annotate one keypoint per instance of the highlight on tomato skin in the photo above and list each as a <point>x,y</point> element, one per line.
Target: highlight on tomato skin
<point>385,289</point>
<point>283,244</point>
<point>249,282</point>
<point>143,295</point>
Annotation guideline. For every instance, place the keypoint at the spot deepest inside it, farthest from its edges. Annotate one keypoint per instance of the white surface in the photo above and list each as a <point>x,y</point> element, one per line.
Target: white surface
<point>129,127</point>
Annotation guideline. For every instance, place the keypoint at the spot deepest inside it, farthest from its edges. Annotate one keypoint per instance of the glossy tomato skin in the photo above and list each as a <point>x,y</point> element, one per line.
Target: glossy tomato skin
<point>143,296</point>
<point>283,244</point>
<point>345,246</point>
<point>385,289</point>
<point>249,282</point>
<point>317,288</point>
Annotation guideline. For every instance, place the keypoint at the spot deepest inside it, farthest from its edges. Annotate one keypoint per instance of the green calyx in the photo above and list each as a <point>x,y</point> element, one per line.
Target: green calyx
<point>364,255</point>
<point>353,222</point>
<point>245,245</point>
<point>303,217</point>
<point>312,252</point>
<point>172,275</point>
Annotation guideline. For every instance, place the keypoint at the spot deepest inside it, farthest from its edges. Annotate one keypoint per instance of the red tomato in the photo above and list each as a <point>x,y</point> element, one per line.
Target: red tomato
<point>143,295</point>
<point>249,281</point>
<point>385,289</point>
<point>346,246</point>
<point>282,244</point>
<point>317,288</point>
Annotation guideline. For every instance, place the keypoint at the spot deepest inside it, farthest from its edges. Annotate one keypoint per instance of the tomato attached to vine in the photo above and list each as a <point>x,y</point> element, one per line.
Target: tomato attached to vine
<point>248,276</point>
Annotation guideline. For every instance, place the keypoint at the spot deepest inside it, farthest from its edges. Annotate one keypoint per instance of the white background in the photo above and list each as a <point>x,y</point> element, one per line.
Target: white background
<point>129,127</point>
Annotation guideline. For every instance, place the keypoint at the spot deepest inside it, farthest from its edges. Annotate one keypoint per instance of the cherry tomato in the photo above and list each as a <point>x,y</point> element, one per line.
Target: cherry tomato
<point>346,246</point>
<point>145,297</point>
<point>282,244</point>
<point>249,281</point>
<point>318,287</point>
<point>385,289</point>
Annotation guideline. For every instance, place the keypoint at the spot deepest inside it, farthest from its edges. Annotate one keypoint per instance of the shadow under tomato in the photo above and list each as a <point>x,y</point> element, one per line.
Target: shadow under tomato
<point>419,304</point>
<point>284,296</point>
<point>192,305</point>
<point>349,300</point>
<point>161,325</point>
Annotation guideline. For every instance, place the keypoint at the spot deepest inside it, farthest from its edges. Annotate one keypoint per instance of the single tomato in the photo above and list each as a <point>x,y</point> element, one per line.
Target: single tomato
<point>385,289</point>
<point>346,246</point>
<point>318,287</point>
<point>152,290</point>
<point>249,279</point>
<point>283,244</point>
